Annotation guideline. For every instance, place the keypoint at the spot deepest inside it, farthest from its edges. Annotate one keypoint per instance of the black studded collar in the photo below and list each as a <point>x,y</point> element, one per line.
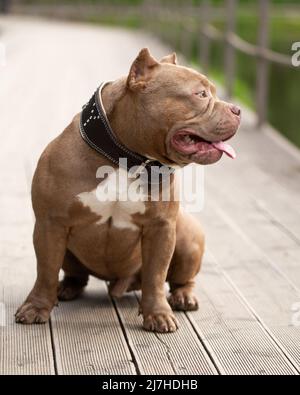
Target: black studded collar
<point>97,133</point>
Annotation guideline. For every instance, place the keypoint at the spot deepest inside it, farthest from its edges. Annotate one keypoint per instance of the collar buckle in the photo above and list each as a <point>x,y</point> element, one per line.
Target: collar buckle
<point>139,170</point>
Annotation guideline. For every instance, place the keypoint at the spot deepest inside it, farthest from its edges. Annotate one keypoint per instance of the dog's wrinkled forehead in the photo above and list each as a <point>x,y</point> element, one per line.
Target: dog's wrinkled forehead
<point>180,80</point>
<point>149,75</point>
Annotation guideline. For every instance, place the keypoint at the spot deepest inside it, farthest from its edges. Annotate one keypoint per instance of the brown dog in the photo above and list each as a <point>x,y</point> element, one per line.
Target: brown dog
<point>162,111</point>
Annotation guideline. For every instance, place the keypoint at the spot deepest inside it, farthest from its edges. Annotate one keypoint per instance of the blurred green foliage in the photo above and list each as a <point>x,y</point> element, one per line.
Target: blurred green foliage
<point>135,2</point>
<point>110,2</point>
<point>284,82</point>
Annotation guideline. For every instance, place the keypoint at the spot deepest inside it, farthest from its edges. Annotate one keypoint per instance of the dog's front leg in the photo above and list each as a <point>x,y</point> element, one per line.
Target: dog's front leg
<point>50,247</point>
<point>158,244</point>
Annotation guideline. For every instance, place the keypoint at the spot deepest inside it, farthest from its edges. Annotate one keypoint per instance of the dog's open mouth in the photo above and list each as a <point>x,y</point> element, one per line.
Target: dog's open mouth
<point>188,142</point>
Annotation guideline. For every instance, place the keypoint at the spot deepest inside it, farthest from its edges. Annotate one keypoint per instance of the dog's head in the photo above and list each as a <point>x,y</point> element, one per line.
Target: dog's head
<point>180,106</point>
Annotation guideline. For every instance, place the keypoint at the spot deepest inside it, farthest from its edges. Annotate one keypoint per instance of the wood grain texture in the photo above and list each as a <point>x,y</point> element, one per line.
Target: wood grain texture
<point>238,342</point>
<point>24,350</point>
<point>172,354</point>
<point>264,232</point>
<point>88,338</point>
<point>263,288</point>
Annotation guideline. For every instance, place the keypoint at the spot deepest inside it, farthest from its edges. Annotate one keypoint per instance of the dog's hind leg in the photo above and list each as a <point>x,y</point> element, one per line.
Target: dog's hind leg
<point>117,288</point>
<point>186,263</point>
<point>75,278</point>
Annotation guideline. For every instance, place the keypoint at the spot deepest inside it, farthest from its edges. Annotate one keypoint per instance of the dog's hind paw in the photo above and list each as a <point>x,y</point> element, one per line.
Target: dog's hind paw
<point>69,290</point>
<point>28,313</point>
<point>183,300</point>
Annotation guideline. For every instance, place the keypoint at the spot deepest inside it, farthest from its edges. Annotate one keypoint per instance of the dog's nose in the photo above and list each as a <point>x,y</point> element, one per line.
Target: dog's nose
<point>235,110</point>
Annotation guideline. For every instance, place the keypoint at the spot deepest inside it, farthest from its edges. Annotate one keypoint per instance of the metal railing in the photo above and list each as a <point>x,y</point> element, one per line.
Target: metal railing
<point>232,43</point>
<point>5,6</point>
<point>198,20</point>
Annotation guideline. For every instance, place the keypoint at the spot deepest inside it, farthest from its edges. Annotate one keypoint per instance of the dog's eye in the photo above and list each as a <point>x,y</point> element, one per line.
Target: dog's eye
<point>201,94</point>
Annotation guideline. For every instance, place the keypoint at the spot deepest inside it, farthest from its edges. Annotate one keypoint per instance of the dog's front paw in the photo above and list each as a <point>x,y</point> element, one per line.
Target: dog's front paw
<point>160,322</point>
<point>28,313</point>
<point>183,300</point>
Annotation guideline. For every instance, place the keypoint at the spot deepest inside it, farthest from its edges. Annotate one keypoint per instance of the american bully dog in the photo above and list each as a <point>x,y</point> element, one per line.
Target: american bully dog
<point>160,113</point>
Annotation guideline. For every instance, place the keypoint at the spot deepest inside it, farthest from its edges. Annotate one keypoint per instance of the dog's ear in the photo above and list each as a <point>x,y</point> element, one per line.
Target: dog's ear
<point>172,59</point>
<point>141,70</point>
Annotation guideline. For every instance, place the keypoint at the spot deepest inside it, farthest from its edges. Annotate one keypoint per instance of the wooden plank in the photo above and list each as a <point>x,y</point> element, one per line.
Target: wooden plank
<point>25,350</point>
<point>239,343</point>
<point>267,293</point>
<point>87,335</point>
<point>257,186</point>
<point>272,239</point>
<point>276,160</point>
<point>229,50</point>
<point>265,200</point>
<point>204,43</point>
<point>262,68</point>
<point>172,354</point>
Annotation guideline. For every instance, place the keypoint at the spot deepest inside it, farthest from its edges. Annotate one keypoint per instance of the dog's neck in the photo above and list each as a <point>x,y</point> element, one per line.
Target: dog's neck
<point>130,123</point>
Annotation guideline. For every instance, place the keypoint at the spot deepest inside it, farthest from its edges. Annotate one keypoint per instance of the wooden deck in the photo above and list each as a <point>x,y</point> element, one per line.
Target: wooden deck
<point>250,281</point>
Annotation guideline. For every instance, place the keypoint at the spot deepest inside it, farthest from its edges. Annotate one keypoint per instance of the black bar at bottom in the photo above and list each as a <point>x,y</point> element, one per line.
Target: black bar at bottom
<point>103,384</point>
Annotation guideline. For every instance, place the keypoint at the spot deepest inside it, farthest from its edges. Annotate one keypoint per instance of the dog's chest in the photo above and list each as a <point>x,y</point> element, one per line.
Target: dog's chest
<point>115,200</point>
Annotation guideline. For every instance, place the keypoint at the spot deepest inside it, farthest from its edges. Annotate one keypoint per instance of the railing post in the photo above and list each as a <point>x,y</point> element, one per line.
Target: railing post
<point>204,40</point>
<point>185,39</point>
<point>146,9</point>
<point>229,54</point>
<point>262,69</point>
<point>5,6</point>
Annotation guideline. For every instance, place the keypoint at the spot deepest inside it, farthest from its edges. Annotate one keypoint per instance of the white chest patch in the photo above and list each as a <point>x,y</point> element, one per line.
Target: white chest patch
<point>116,199</point>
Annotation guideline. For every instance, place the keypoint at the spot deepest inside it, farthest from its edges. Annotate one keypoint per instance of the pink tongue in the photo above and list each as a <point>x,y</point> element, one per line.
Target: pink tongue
<point>224,147</point>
